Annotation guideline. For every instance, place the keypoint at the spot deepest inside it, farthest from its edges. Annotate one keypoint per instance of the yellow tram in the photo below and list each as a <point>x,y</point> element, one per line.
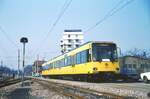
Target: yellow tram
<point>91,61</point>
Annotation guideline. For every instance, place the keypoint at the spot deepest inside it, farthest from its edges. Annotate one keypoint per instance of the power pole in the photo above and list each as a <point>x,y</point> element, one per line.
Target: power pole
<point>18,63</point>
<point>37,64</point>
<point>1,72</point>
<point>1,63</point>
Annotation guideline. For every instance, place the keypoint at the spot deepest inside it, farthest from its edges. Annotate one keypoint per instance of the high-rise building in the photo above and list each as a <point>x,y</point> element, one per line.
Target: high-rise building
<point>71,39</point>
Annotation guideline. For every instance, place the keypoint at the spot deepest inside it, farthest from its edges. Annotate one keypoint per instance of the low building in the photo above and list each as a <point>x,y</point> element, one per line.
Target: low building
<point>133,66</point>
<point>37,67</point>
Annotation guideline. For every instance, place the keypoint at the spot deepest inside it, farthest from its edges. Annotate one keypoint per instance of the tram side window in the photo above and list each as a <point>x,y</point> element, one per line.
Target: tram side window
<point>74,59</point>
<point>82,57</point>
<point>57,64</point>
<point>68,60</point>
<point>46,67</point>
<point>50,66</point>
<point>54,63</point>
<point>43,67</point>
<point>62,63</point>
<point>78,58</point>
<point>65,61</point>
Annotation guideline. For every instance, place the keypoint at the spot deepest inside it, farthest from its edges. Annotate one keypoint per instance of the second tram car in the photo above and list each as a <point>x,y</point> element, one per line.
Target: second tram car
<point>91,61</point>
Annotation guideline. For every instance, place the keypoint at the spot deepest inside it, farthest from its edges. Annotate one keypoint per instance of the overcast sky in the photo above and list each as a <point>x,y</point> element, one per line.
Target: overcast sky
<point>129,27</point>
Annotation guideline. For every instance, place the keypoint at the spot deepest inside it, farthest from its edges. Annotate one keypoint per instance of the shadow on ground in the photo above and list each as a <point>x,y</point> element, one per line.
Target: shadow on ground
<point>20,93</point>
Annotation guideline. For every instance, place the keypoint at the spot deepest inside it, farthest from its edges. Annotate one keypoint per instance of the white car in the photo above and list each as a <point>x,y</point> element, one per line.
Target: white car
<point>145,77</point>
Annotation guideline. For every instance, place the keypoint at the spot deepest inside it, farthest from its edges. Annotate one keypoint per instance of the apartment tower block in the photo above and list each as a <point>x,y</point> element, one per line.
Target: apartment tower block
<point>71,39</point>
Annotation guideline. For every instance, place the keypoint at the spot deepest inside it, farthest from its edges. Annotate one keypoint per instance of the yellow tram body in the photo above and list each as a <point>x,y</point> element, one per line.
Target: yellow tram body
<point>81,61</point>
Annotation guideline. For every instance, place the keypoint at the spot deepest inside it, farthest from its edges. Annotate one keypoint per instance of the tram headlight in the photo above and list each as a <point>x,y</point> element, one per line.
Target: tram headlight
<point>95,68</point>
<point>117,69</point>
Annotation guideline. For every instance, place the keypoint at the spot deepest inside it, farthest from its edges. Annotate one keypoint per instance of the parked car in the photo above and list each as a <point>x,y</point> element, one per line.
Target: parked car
<point>145,77</point>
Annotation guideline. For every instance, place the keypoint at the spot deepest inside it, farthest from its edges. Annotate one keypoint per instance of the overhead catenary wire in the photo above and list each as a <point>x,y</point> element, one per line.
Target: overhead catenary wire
<point>8,37</point>
<point>115,9</point>
<point>5,52</point>
<point>64,8</point>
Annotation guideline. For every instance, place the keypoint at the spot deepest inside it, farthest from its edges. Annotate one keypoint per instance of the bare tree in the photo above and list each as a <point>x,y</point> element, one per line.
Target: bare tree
<point>143,53</point>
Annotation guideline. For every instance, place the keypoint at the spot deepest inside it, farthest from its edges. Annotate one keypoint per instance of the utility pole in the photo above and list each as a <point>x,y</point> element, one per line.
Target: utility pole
<point>37,64</point>
<point>18,63</point>
<point>1,72</point>
<point>1,63</point>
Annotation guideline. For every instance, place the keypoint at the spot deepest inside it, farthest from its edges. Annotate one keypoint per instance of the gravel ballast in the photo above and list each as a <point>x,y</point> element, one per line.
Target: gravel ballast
<point>29,91</point>
<point>136,90</point>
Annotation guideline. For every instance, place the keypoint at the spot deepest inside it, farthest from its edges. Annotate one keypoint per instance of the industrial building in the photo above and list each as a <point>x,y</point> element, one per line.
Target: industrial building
<point>132,66</point>
<point>71,39</point>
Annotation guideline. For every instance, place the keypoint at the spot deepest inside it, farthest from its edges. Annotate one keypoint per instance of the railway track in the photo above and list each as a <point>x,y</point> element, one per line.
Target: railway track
<point>75,92</point>
<point>10,82</point>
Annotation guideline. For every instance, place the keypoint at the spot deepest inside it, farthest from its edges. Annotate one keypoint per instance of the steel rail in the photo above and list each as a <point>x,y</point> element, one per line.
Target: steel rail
<point>58,89</point>
<point>76,92</point>
<point>10,82</point>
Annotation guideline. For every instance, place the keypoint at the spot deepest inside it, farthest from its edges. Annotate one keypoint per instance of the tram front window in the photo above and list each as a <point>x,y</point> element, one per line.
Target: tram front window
<point>104,52</point>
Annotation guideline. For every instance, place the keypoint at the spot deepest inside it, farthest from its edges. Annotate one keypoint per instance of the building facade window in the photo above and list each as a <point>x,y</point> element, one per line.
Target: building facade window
<point>76,35</point>
<point>77,40</point>
<point>69,46</point>
<point>77,45</point>
<point>125,67</point>
<point>134,66</point>
<point>69,35</point>
<point>69,40</point>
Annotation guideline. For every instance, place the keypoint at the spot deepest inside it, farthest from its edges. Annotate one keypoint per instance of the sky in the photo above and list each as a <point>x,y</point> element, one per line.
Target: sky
<point>129,27</point>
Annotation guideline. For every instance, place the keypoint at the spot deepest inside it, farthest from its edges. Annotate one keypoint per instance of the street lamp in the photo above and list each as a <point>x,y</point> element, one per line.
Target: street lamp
<point>23,40</point>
